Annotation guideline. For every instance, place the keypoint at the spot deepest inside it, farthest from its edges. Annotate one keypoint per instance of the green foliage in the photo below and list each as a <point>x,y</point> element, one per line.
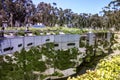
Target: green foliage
<point>57,74</point>
<point>27,61</point>
<point>20,33</point>
<point>82,42</point>
<point>41,58</point>
<point>87,59</point>
<point>107,69</point>
<point>39,66</point>
<point>42,77</point>
<point>63,59</point>
<point>37,32</point>
<point>32,60</point>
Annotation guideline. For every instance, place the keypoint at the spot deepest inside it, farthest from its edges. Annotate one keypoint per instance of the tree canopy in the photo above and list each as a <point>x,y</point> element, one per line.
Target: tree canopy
<point>21,12</point>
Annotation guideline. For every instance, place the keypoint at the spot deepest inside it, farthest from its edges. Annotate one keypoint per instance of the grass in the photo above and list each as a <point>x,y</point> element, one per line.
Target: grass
<point>55,30</point>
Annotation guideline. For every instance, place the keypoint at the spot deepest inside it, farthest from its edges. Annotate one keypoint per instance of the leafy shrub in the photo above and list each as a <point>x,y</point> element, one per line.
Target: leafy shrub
<point>107,69</point>
<point>57,74</point>
<point>37,33</point>
<point>21,33</point>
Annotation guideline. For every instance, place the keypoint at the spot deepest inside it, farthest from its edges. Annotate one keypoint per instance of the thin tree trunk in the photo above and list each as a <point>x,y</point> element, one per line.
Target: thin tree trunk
<point>11,19</point>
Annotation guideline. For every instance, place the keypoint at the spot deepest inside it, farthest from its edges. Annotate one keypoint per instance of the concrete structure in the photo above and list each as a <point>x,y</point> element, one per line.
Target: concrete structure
<point>108,36</point>
<point>91,38</point>
<point>62,41</point>
<point>11,45</point>
<point>66,41</point>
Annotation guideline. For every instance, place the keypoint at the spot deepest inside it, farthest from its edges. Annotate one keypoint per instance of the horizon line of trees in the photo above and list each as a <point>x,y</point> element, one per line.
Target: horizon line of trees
<point>21,12</point>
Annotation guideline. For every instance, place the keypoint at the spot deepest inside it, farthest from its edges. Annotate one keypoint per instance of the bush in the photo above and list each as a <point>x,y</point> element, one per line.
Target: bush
<point>57,74</point>
<point>21,33</point>
<point>37,33</point>
<point>107,69</point>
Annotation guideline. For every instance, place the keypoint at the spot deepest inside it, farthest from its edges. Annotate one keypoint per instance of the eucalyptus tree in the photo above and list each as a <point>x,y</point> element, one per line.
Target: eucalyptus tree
<point>84,20</point>
<point>115,5</point>
<point>111,12</point>
<point>67,13</point>
<point>53,15</point>
<point>16,10</point>
<point>43,13</point>
<point>23,11</point>
<point>96,21</point>
<point>30,11</point>
<point>60,17</point>
<point>3,16</point>
<point>8,7</point>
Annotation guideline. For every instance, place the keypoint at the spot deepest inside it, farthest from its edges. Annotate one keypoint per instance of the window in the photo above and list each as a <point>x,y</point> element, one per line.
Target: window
<point>47,39</point>
<point>19,45</point>
<point>71,44</point>
<point>7,49</point>
<point>29,44</point>
<point>56,45</point>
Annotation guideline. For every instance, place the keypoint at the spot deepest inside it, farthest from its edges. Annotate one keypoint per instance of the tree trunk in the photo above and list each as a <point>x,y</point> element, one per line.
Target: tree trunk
<point>11,19</point>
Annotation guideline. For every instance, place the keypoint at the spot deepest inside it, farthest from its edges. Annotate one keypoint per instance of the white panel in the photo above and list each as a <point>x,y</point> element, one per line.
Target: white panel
<point>51,37</point>
<point>64,47</point>
<point>72,46</point>
<point>38,40</point>
<point>57,38</point>
<point>77,37</point>
<point>44,38</point>
<point>91,38</point>
<point>64,44</point>
<point>28,41</point>
<point>15,43</point>
<point>5,44</point>
<point>58,47</point>
<point>71,38</point>
<point>77,44</point>
<point>69,47</point>
<point>64,38</point>
<point>108,36</point>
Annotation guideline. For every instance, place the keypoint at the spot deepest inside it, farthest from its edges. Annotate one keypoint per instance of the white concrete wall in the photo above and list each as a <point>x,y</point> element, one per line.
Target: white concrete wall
<point>108,36</point>
<point>63,41</point>
<point>27,42</point>
<point>38,40</point>
<point>5,44</point>
<point>15,43</point>
<point>91,38</point>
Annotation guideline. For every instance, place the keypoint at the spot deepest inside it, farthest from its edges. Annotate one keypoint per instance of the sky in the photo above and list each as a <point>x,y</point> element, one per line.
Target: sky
<point>79,6</point>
